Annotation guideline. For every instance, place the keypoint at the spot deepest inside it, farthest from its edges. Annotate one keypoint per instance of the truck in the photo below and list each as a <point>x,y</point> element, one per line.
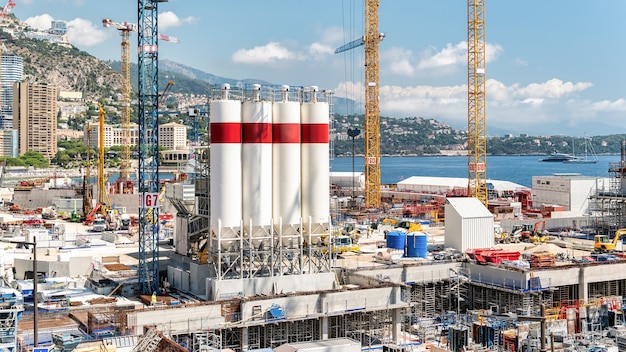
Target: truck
<point>342,244</point>
<point>99,225</point>
<point>602,243</point>
<point>124,222</point>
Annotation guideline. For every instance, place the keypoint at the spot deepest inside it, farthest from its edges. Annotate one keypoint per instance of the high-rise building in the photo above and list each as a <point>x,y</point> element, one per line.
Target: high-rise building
<point>35,117</point>
<point>12,71</point>
<point>9,142</point>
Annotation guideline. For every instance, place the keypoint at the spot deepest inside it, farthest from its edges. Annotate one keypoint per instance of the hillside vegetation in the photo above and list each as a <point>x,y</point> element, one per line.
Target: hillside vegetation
<point>66,67</point>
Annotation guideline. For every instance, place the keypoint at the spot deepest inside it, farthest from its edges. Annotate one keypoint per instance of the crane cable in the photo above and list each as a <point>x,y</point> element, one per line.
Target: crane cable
<point>349,58</point>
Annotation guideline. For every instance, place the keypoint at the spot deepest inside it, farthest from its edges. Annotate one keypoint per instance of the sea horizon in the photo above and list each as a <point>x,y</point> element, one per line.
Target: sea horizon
<point>518,168</point>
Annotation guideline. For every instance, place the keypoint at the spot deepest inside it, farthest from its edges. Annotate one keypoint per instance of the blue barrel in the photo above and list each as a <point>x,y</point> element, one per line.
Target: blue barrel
<point>396,240</point>
<point>416,245</point>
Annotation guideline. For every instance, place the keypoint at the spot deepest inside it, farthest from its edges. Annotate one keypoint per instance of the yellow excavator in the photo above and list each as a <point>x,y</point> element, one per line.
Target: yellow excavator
<point>602,243</point>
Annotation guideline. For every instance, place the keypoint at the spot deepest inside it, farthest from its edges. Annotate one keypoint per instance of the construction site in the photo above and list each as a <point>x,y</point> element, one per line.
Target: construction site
<point>258,264</point>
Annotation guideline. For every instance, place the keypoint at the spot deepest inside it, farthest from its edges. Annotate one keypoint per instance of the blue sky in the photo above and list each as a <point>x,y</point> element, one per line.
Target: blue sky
<point>554,67</point>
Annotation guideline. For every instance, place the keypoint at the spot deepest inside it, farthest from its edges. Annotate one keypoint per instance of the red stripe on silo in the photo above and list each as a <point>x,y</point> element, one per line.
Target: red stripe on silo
<point>286,133</point>
<point>257,133</point>
<point>226,132</point>
<point>315,133</point>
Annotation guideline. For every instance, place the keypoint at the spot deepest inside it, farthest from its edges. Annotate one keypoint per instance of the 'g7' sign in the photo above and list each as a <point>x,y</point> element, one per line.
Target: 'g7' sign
<point>149,200</point>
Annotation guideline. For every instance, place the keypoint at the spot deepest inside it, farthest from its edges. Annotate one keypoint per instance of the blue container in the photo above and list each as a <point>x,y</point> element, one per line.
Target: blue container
<point>396,240</point>
<point>416,245</point>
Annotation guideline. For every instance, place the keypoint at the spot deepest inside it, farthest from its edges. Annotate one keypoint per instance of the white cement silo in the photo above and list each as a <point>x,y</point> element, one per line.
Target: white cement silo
<point>315,164</point>
<point>256,160</point>
<point>225,164</point>
<point>286,165</point>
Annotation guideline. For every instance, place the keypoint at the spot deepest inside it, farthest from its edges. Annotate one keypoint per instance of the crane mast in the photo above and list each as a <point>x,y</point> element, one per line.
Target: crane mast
<point>148,266</point>
<point>476,117</point>
<point>372,107</point>
<point>125,29</point>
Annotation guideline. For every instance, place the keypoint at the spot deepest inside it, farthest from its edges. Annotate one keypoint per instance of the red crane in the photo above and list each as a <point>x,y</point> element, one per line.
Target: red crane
<point>7,9</point>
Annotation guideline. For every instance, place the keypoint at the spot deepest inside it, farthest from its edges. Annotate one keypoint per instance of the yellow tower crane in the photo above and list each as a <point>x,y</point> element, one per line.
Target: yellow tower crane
<point>125,29</point>
<point>476,117</point>
<point>372,108</point>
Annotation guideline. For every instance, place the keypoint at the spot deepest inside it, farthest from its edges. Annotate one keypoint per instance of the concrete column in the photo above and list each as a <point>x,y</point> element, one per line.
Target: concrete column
<point>583,289</point>
<point>324,328</point>
<point>245,343</point>
<point>396,325</point>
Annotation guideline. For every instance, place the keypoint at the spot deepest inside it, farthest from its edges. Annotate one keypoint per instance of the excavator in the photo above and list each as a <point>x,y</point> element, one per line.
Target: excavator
<point>531,233</point>
<point>602,243</point>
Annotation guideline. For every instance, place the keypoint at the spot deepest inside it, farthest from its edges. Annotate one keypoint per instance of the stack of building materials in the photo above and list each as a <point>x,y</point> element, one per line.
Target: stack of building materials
<point>541,260</point>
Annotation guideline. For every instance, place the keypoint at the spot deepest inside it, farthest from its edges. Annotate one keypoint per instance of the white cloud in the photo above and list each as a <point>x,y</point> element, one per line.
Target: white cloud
<point>451,55</point>
<point>333,36</point>
<point>40,22</point>
<point>454,55</point>
<point>318,50</point>
<point>553,88</point>
<point>330,39</point>
<point>492,51</point>
<point>169,19</point>
<point>618,105</point>
<point>268,53</point>
<point>506,105</point>
<point>398,61</point>
<point>518,61</point>
<point>83,32</point>
<point>80,32</point>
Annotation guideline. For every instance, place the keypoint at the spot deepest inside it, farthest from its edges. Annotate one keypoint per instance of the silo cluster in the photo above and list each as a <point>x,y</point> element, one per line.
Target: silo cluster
<point>269,167</point>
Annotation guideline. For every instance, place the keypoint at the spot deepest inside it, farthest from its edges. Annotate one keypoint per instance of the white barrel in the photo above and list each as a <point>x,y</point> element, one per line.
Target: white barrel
<point>315,163</point>
<point>256,160</point>
<point>225,164</point>
<point>286,164</point>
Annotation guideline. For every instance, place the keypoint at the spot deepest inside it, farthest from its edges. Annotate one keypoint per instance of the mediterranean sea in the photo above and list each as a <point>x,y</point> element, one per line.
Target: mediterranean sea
<point>518,169</point>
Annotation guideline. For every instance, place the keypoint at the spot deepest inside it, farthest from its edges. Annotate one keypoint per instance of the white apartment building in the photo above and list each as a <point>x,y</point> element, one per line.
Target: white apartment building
<point>171,135</point>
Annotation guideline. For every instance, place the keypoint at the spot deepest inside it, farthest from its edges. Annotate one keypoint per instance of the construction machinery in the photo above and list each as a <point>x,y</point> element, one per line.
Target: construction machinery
<point>103,196</point>
<point>409,226</point>
<point>531,233</point>
<point>476,87</point>
<point>343,244</point>
<point>501,236</point>
<point>102,205</point>
<point>602,243</point>
<point>87,194</point>
<point>351,229</point>
<point>372,107</point>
